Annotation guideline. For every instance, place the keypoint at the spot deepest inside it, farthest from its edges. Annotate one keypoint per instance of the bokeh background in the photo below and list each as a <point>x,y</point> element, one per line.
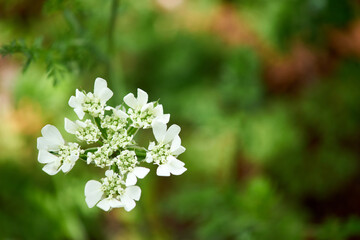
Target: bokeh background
<point>267,94</point>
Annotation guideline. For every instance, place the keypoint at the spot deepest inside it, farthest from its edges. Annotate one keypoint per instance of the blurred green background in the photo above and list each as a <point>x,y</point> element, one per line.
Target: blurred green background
<point>267,94</point>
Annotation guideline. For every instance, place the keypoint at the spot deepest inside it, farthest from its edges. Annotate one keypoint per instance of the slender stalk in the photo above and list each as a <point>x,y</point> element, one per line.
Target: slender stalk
<point>98,124</point>
<point>132,130</point>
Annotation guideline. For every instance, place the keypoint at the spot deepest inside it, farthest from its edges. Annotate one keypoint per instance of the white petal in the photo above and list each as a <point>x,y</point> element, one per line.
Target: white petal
<point>73,102</point>
<point>46,157</point>
<point>99,86</point>
<point>176,167</point>
<point>177,171</point>
<point>176,143</point>
<point>131,179</point>
<point>44,144</point>
<point>104,204</point>
<point>171,133</point>
<point>141,172</point>
<point>142,97</point>
<point>151,145</point>
<point>148,158</point>
<point>130,100</point>
<point>66,167</point>
<point>52,134</point>
<point>109,173</point>
<point>178,151</point>
<point>128,202</point>
<point>70,126</point>
<point>79,96</point>
<point>158,110</point>
<point>93,199</point>
<point>163,118</point>
<point>114,203</point>
<point>80,124</point>
<point>79,112</point>
<point>92,186</point>
<point>159,130</point>
<point>147,106</point>
<point>93,193</point>
<point>163,170</point>
<point>51,168</point>
<point>105,95</point>
<point>133,192</point>
<point>120,114</point>
<point>174,162</point>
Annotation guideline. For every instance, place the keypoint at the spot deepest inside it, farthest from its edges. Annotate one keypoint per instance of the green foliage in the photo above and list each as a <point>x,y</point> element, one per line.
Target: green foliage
<point>283,21</point>
<point>334,229</point>
<point>251,212</point>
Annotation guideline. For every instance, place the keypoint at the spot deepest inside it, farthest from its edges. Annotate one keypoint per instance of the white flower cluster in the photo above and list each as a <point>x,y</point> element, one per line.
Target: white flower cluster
<point>112,130</point>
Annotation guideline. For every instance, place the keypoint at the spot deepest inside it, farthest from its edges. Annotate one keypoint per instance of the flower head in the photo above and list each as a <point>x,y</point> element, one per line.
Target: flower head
<point>110,135</point>
<point>54,153</point>
<point>111,192</point>
<point>166,150</point>
<point>127,164</point>
<point>92,103</point>
<point>116,121</point>
<point>84,131</point>
<point>142,113</point>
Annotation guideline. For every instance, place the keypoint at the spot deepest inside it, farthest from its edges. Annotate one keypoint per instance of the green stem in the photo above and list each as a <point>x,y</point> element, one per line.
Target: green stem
<point>91,150</point>
<point>98,124</point>
<point>83,158</point>
<point>132,131</point>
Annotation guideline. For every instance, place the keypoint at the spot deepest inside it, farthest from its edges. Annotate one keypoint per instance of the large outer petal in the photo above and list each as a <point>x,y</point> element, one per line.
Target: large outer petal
<point>46,157</point>
<point>176,148</point>
<point>79,112</point>
<point>91,187</point>
<point>51,168</point>
<point>177,171</point>
<point>163,170</point>
<point>52,134</point>
<point>66,167</point>
<point>93,193</point>
<point>163,118</point>
<point>44,144</point>
<point>175,162</point>
<point>178,151</point>
<point>105,95</point>
<point>141,172</point>
<point>119,113</point>
<point>131,179</point>
<point>175,166</point>
<point>131,101</point>
<point>128,202</point>
<point>171,133</point>
<point>76,101</point>
<point>70,126</point>
<point>142,97</point>
<point>148,158</point>
<point>158,110</point>
<point>133,192</point>
<point>159,130</point>
<point>99,86</point>
<point>114,203</point>
<point>176,143</point>
<point>104,204</point>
